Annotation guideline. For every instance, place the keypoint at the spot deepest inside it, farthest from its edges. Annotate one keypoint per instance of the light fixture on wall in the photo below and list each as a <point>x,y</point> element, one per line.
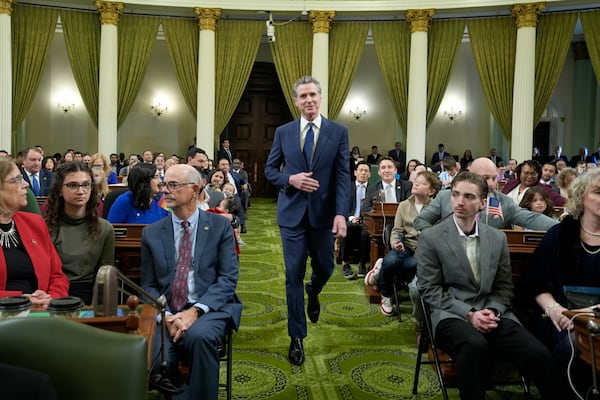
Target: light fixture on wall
<point>158,109</point>
<point>453,115</point>
<point>357,112</point>
<point>65,105</point>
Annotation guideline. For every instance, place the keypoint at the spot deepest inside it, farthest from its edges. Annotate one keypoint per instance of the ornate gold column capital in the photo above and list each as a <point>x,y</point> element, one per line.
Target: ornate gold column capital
<point>207,18</point>
<point>527,14</point>
<point>419,19</point>
<point>6,6</point>
<point>109,11</point>
<point>321,20</point>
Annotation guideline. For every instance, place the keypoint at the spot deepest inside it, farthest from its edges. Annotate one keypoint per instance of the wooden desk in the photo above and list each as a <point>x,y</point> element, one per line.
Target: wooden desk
<point>128,242</point>
<point>582,337</point>
<point>375,222</point>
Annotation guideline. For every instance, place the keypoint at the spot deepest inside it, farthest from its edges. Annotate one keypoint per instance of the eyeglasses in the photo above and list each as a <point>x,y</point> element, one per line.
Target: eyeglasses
<point>74,186</point>
<point>17,180</point>
<point>532,174</point>
<point>173,185</point>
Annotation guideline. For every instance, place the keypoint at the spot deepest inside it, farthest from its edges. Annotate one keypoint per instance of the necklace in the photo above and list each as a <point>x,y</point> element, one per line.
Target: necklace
<point>588,232</point>
<point>10,238</point>
<point>588,250</point>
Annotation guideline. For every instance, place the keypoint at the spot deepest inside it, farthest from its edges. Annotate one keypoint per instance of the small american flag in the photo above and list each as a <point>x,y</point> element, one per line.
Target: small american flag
<point>494,207</point>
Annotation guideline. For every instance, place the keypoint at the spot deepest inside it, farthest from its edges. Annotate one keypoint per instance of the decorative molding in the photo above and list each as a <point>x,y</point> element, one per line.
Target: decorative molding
<point>321,20</point>
<point>109,11</point>
<point>527,14</point>
<point>207,18</point>
<point>419,19</point>
<point>6,6</point>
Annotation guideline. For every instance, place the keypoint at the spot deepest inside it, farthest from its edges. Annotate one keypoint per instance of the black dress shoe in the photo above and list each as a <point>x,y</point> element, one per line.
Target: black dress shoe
<point>243,229</point>
<point>296,353</point>
<point>313,309</point>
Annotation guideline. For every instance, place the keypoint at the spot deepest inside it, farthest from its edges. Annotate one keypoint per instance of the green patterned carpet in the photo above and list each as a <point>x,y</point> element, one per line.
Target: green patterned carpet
<point>353,352</point>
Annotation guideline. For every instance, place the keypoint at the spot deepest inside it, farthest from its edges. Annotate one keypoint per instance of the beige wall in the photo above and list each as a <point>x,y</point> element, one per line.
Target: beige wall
<point>56,131</point>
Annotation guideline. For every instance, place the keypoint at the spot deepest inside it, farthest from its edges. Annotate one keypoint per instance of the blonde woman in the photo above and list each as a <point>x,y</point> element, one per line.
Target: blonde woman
<point>99,161</point>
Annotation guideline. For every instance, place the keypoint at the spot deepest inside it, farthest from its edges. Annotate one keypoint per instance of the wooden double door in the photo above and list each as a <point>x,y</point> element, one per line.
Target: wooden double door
<point>251,129</point>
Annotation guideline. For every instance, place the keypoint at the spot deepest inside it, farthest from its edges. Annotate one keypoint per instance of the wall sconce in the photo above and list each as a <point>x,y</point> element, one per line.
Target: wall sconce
<point>158,109</point>
<point>65,105</point>
<point>453,115</point>
<point>357,112</point>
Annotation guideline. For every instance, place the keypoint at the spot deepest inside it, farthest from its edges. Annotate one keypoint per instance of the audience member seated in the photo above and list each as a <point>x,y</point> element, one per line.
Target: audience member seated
<point>465,276</point>
<point>38,178</point>
<point>133,159</point>
<point>140,204</point>
<point>208,197</point>
<point>48,164</point>
<point>466,160</point>
<point>374,156</point>
<point>388,189</point>
<point>549,176</point>
<point>29,263</point>
<point>399,261</point>
<point>557,156</point>
<point>228,208</point>
<point>356,232</point>
<point>410,167</point>
<point>582,156</point>
<point>83,240</point>
<point>238,168</point>
<point>398,156</point>
<point>99,161</point>
<point>511,169</point>
<point>568,256</point>
<point>102,189</point>
<point>448,173</point>
<point>437,158</point>
<point>500,212</point>
<point>201,300</point>
<point>564,180</point>
<point>240,185</point>
<point>529,174</point>
<point>495,158</point>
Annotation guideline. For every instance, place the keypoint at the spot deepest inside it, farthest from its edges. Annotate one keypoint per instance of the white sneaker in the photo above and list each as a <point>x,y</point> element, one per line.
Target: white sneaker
<point>386,306</point>
<point>241,243</point>
<point>372,277</point>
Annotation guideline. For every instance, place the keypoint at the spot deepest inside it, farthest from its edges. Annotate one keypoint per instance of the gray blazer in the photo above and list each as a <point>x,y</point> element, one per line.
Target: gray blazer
<point>440,208</point>
<point>446,281</point>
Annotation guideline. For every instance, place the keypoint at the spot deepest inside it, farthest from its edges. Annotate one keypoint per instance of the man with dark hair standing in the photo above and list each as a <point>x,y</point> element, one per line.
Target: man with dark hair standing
<point>308,163</point>
<point>399,157</point>
<point>225,152</point>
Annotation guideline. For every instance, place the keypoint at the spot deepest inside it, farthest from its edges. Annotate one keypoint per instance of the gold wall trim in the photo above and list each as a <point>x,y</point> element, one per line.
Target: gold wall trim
<point>207,18</point>
<point>6,6</point>
<point>527,14</point>
<point>321,20</point>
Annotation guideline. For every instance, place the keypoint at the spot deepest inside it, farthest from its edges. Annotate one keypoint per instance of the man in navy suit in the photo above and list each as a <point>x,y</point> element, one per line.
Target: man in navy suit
<point>437,158</point>
<point>308,163</point>
<point>38,178</point>
<point>209,303</point>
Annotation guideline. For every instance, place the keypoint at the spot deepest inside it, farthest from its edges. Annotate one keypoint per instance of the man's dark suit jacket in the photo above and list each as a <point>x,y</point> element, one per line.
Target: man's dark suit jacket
<point>46,179</point>
<point>498,159</point>
<point>588,159</point>
<point>373,158</point>
<point>222,154</point>
<point>333,196</point>
<point>400,158</point>
<point>436,157</point>
<point>553,159</point>
<point>403,189</point>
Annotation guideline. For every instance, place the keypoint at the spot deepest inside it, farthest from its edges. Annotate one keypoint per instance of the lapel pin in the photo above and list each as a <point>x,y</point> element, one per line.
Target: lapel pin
<point>206,228</point>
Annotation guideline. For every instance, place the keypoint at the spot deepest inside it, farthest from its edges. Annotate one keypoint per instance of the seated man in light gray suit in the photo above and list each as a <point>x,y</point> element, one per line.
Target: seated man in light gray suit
<point>465,276</point>
<point>189,257</point>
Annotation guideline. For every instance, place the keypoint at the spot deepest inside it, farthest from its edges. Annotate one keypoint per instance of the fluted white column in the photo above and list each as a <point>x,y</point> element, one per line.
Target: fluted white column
<point>5,76</point>
<point>417,84</point>
<point>321,22</point>
<point>108,90</point>
<point>205,122</point>
<point>524,84</point>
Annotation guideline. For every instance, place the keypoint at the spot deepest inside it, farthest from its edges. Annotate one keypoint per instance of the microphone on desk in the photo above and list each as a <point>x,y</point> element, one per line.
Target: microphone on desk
<point>105,302</point>
<point>378,195</point>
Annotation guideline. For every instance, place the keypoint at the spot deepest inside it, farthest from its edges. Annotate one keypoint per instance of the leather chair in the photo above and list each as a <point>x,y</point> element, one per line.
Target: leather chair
<point>83,362</point>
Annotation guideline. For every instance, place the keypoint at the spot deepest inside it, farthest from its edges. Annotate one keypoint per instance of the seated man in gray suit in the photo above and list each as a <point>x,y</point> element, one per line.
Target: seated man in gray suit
<point>189,257</point>
<point>465,276</point>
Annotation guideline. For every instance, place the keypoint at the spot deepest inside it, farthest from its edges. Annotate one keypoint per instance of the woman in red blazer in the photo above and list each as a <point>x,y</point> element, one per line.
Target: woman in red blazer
<point>29,263</point>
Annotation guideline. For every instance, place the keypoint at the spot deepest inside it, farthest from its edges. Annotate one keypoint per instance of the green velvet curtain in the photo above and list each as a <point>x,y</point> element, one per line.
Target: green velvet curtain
<point>346,44</point>
<point>82,38</point>
<point>392,45</point>
<point>590,21</point>
<point>444,38</point>
<point>182,40</point>
<point>494,42</point>
<point>137,35</point>
<point>554,34</point>
<point>236,47</point>
<point>32,33</point>
<point>292,54</point>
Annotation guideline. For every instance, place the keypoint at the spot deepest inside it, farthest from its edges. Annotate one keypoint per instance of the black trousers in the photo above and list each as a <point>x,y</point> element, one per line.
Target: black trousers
<point>357,234</point>
<point>475,352</point>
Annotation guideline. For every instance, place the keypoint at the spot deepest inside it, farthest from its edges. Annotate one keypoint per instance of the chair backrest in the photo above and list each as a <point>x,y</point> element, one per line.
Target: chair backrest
<point>82,362</point>
<point>110,199</point>
<point>387,236</point>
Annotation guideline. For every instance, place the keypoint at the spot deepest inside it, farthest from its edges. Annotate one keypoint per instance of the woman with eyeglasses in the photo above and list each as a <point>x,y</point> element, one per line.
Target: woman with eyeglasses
<point>29,263</point>
<point>84,241</point>
<point>140,204</point>
<point>528,175</point>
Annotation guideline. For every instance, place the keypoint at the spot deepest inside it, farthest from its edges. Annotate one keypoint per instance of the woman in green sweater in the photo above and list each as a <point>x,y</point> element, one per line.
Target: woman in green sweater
<point>83,240</point>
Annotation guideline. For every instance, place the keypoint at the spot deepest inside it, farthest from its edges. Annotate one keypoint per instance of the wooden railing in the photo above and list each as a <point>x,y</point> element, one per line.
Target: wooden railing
<point>128,240</point>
